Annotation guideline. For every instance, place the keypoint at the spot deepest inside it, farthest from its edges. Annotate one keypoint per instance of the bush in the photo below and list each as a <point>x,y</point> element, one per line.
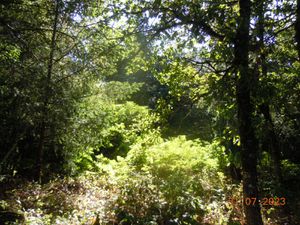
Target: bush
<point>175,182</point>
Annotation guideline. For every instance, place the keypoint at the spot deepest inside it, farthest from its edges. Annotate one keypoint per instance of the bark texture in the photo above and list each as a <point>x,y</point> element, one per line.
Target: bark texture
<point>249,143</point>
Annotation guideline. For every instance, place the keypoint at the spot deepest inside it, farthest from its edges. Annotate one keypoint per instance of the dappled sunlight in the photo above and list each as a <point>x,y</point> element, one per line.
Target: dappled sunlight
<point>147,112</point>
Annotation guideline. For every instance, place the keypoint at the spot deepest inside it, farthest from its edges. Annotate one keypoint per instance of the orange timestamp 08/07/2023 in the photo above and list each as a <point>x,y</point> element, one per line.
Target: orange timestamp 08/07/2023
<point>271,201</point>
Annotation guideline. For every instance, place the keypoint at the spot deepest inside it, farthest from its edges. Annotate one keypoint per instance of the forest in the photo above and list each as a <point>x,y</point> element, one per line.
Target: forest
<point>150,112</point>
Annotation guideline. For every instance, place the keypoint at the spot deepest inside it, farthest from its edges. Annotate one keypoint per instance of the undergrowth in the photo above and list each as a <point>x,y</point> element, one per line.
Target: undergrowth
<point>174,181</point>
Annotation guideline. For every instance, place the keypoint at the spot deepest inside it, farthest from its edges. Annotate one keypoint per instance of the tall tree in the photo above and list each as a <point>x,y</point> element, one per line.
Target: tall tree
<point>40,58</point>
<point>47,93</point>
<point>205,21</point>
<point>249,143</point>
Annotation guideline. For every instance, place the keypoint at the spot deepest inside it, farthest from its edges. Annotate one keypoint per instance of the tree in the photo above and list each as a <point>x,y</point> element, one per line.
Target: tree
<point>47,92</point>
<point>249,143</point>
<point>41,57</point>
<point>206,21</point>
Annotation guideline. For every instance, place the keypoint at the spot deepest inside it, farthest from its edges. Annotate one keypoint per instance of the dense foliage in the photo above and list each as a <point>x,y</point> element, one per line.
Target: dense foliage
<point>149,112</point>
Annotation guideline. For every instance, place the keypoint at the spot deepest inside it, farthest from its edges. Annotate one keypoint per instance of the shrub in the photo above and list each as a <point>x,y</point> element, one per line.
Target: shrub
<point>175,182</point>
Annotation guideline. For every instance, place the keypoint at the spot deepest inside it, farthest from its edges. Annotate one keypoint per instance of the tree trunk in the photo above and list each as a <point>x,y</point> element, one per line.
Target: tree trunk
<point>46,95</point>
<point>249,144</point>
